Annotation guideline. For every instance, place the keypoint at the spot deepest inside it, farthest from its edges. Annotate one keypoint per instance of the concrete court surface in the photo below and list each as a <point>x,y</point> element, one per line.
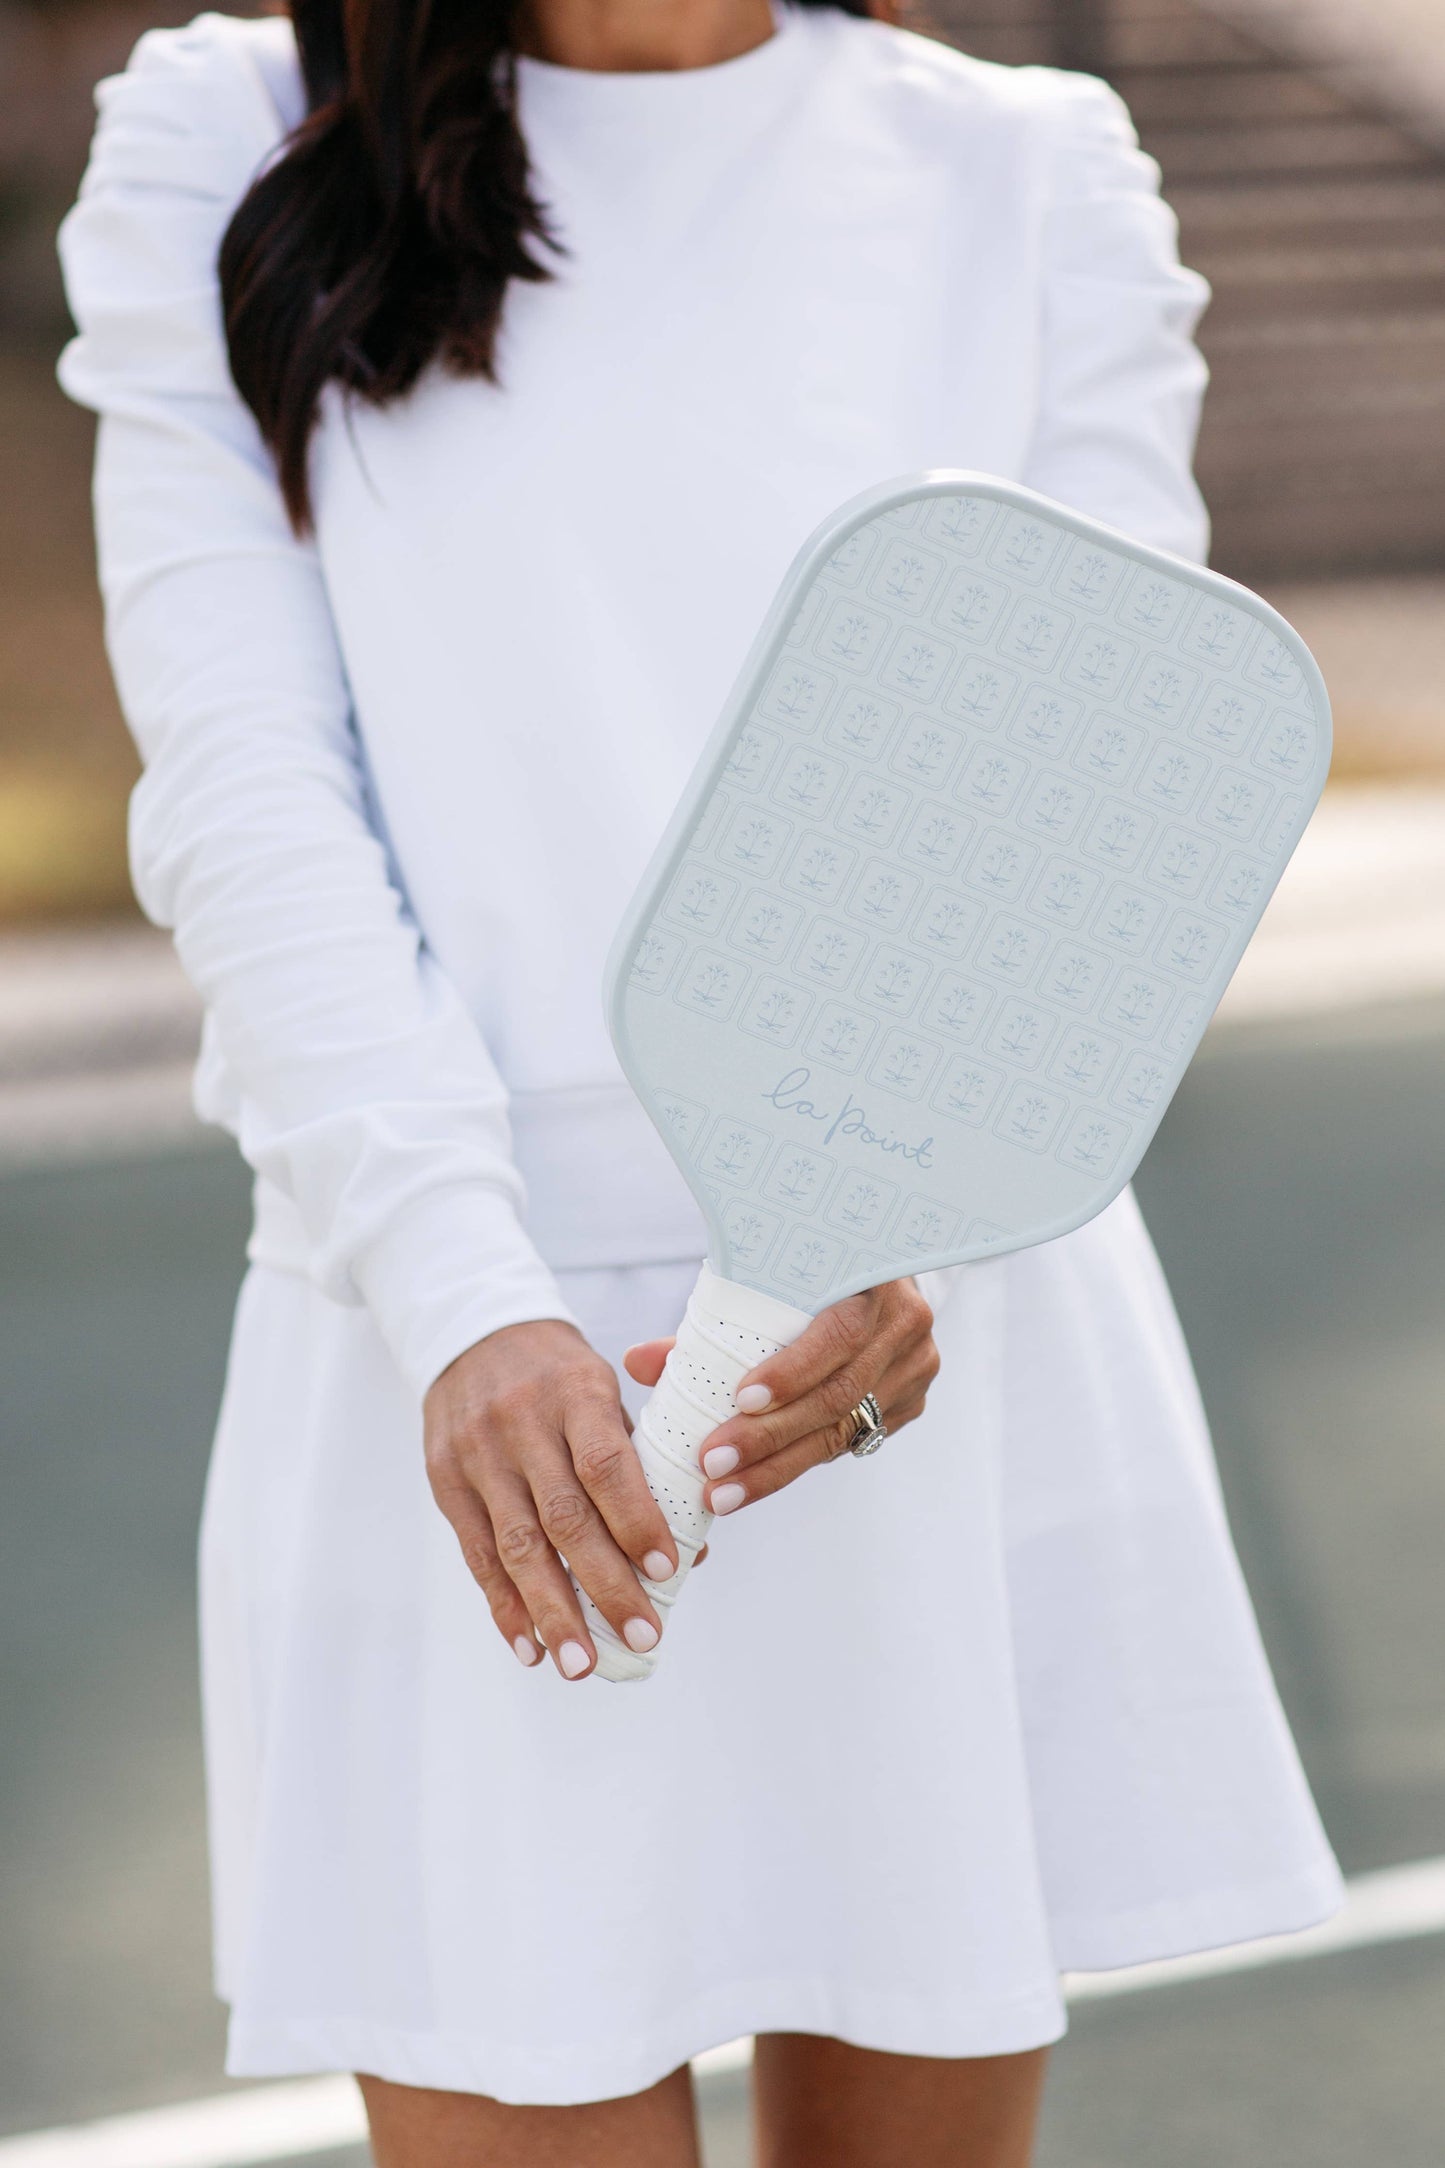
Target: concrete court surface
<point>1316,1329</point>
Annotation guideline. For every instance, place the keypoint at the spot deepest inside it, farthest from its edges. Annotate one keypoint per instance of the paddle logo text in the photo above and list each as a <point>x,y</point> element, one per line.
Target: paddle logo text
<point>790,1096</point>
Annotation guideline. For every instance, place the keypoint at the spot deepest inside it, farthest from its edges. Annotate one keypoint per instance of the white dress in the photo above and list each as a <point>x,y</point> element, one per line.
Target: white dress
<point>931,1728</point>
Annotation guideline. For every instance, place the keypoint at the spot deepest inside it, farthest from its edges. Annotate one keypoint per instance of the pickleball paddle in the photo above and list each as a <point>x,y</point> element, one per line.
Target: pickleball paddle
<point>968,861</point>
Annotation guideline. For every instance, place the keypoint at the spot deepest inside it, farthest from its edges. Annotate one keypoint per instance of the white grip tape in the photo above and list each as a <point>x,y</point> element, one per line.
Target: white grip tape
<point>727,1330</point>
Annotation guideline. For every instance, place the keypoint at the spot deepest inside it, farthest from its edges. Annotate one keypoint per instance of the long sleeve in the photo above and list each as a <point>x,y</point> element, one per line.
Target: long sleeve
<point>1121,378</point>
<point>358,1083</point>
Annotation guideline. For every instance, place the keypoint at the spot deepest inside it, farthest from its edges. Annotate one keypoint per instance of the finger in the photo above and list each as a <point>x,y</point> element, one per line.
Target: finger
<point>610,1473</point>
<point>780,1469</point>
<point>746,1441</point>
<point>645,1361</point>
<point>576,1530</point>
<point>836,1336</point>
<point>472,1525</point>
<point>531,1562</point>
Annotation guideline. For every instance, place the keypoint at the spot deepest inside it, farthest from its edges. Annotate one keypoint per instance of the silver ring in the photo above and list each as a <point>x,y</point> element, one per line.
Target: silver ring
<point>869,1428</point>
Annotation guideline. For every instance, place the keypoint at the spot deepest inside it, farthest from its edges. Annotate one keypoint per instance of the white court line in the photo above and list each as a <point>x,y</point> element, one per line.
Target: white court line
<point>316,2115</point>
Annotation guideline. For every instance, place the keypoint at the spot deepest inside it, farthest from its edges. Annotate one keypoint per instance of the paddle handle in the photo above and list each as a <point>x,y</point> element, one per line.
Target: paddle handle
<point>726,1331</point>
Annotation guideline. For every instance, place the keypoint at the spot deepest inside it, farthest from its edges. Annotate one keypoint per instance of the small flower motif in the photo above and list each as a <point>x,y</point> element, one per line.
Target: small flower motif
<point>650,962</point>
<point>1137,1003</point>
<point>936,837</point>
<point>1092,1145</point>
<point>862,726</point>
<point>776,1010</point>
<point>1150,605</point>
<point>980,693</point>
<point>850,638</point>
<point>1020,1035</point>
<point>860,1203</point>
<point>1088,576</point>
<point>829,953</point>
<point>1053,806</point>
<point>1028,1118</point>
<point>1025,546</point>
<point>945,921</point>
<point>1082,1063</point>
<point>1128,920</point>
<point>732,1154</point>
<point>1170,777</point>
<point>839,1042</point>
<point>999,866</point>
<point>1144,1085</point>
<point>1189,948</point>
<point>748,1235</point>
<point>1234,807</point>
<point>1117,835</point>
<point>1010,950</point>
<point>893,981</point>
<point>872,811</point>
<point>807,783</point>
<point>969,609</point>
<point>1062,893</point>
<point>905,580</point>
<point>990,780</point>
<point>1099,660</point>
<point>700,899</point>
<point>753,841</point>
<point>903,1067</point>
<point>1163,690</point>
<point>1179,862</point>
<point>818,867</point>
<point>797,696</point>
<point>965,1093</point>
<point>798,1179</point>
<point>924,1229</point>
<point>917,666</point>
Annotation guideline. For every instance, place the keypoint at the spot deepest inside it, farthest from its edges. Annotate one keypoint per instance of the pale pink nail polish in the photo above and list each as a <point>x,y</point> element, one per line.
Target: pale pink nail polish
<point>721,1460</point>
<point>658,1566</point>
<point>573,1659</point>
<point>640,1634</point>
<point>729,1498</point>
<point>528,1652</point>
<point>752,1399</point>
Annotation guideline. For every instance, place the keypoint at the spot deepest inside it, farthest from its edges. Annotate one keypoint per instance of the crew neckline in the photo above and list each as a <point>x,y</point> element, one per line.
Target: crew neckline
<point>742,73</point>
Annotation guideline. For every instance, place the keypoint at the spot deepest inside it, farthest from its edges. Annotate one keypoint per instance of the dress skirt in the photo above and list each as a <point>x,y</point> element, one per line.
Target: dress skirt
<point>930,1728</point>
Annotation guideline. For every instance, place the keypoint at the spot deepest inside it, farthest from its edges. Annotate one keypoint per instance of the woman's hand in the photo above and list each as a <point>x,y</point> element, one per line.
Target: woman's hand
<point>796,1409</point>
<point>530,1457</point>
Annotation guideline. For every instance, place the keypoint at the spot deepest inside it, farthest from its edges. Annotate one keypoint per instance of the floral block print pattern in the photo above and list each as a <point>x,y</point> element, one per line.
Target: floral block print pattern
<point>984,847</point>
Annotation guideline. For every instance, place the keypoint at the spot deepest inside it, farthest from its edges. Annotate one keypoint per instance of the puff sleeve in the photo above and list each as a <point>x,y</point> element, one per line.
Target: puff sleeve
<point>350,1070</point>
<point>1121,378</point>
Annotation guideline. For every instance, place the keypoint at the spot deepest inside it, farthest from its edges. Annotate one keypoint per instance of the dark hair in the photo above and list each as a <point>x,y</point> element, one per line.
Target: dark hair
<point>386,233</point>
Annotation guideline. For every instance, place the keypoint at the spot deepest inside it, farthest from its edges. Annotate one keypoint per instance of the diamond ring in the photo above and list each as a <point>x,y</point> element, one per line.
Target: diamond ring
<point>869,1428</point>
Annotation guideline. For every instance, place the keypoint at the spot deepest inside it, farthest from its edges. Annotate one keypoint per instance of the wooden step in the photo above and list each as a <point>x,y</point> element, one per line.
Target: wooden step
<point>1231,154</point>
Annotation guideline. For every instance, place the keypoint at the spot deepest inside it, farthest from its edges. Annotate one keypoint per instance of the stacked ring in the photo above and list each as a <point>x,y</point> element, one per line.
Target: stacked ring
<point>869,1428</point>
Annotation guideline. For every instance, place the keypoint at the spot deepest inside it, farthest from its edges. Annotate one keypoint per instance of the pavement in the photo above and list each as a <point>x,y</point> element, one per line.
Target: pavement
<point>1309,1127</point>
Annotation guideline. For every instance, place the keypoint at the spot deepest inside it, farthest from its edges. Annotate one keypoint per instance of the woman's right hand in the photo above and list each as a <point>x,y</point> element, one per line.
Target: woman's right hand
<point>530,1457</point>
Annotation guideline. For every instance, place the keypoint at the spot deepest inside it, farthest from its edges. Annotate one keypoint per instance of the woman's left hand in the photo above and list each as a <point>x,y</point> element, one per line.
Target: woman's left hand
<point>796,1409</point>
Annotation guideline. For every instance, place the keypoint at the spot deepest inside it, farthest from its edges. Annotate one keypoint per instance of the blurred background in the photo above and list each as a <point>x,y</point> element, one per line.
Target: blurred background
<point>1297,1190</point>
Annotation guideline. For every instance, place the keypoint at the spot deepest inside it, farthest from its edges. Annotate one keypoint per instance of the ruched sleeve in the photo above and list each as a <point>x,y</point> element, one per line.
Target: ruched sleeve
<point>1121,380</point>
<point>355,1079</point>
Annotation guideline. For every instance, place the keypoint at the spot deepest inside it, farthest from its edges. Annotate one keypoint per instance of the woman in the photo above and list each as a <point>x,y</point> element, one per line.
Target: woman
<point>467,382</point>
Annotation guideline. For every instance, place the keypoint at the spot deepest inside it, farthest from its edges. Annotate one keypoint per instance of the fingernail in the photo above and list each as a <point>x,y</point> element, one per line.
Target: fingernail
<point>640,1634</point>
<point>658,1566</point>
<point>721,1460</point>
<point>528,1652</point>
<point>573,1659</point>
<point>752,1399</point>
<point>729,1498</point>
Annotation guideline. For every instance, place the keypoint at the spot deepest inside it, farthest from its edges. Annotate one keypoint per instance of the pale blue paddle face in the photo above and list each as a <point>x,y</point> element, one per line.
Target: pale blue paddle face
<point>991,813</point>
